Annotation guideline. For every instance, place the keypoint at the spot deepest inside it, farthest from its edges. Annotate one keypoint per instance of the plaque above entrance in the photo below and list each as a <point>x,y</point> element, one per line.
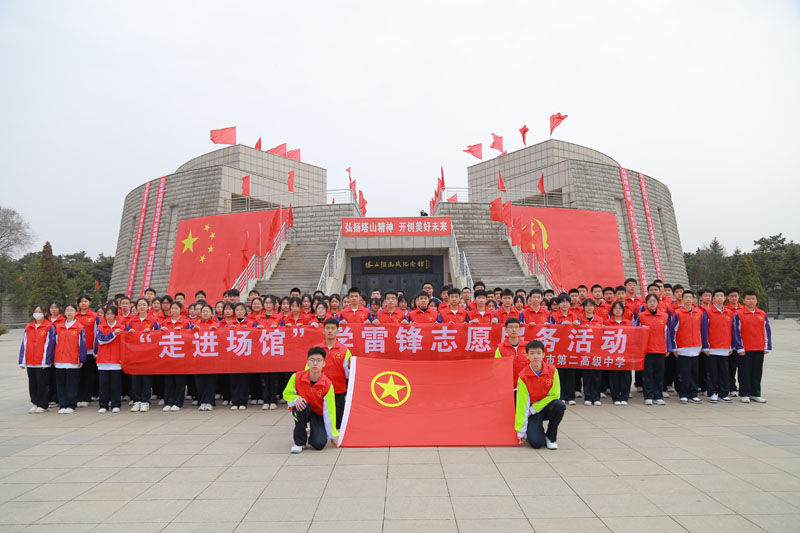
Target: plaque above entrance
<point>397,226</point>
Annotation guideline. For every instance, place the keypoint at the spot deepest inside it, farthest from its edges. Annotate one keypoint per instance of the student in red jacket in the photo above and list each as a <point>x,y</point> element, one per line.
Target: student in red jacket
<point>453,313</point>
<point>240,381</point>
<point>592,377</point>
<point>87,383</point>
<point>506,308</point>
<point>481,314</point>
<point>354,312</point>
<point>141,385</point>
<point>108,347</point>
<point>752,338</point>
<point>686,342</point>
<point>733,362</point>
<point>337,365</point>
<point>538,391</point>
<point>296,317</point>
<point>206,384</point>
<point>536,313</point>
<point>655,352</point>
<point>175,384</point>
<point>512,347</point>
<point>69,355</point>
<point>716,331</point>
<point>423,313</point>
<point>619,380</point>
<point>36,356</point>
<point>390,313</point>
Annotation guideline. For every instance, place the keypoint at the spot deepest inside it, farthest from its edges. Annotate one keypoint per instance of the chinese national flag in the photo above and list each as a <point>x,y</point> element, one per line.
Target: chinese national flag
<point>507,213</point>
<point>294,154</point>
<point>501,186</point>
<point>278,150</point>
<point>258,144</point>
<point>496,209</point>
<point>246,186</point>
<point>541,184</point>
<point>291,181</point>
<point>453,198</point>
<point>206,247</point>
<point>516,232</point>
<point>408,403</point>
<point>290,221</point>
<point>555,120</point>
<point>224,136</point>
<point>527,239</point>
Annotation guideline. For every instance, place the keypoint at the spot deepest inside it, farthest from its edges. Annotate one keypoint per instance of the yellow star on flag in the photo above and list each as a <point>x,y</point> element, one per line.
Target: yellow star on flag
<point>210,249</point>
<point>188,242</point>
<point>206,227</point>
<point>212,235</point>
<point>202,258</point>
<point>390,388</point>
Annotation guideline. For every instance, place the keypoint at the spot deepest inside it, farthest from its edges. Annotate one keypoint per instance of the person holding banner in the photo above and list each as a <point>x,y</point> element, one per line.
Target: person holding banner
<point>481,314</point>
<point>423,313</point>
<point>656,351</point>
<point>592,377</point>
<point>175,384</point>
<point>310,395</point>
<point>538,392</point>
<point>206,384</point>
<point>239,381</point>
<point>565,315</point>
<point>619,380</point>
<point>141,386</point>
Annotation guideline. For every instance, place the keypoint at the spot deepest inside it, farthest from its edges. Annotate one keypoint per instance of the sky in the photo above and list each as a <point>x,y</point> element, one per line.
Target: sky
<point>99,97</point>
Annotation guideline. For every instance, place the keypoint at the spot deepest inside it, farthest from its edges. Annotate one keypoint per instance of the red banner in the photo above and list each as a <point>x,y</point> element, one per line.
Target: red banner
<point>138,241</point>
<point>429,403</point>
<point>648,215</point>
<point>375,227</point>
<point>151,249</point>
<point>637,244</point>
<point>284,349</point>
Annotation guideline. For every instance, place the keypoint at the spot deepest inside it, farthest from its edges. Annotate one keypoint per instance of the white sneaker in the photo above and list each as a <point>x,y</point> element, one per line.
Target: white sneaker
<point>296,448</point>
<point>83,404</point>
<point>617,403</point>
<point>224,402</point>
<point>233,408</point>
<point>260,402</point>
<point>696,399</point>
<point>745,399</point>
<point>194,402</point>
<point>174,408</point>
<point>726,399</point>
<point>273,406</point>
<point>242,407</point>
<point>578,394</point>
<point>684,399</point>
<point>40,410</point>
<point>165,408</point>
<point>61,411</point>
<point>102,410</point>
<point>648,402</point>
<point>209,407</point>
<point>161,401</point>
<point>734,393</point>
<point>714,398</point>
<point>145,407</point>
<point>670,388</point>
<point>603,395</point>
<point>587,402</point>
<point>597,402</point>
<point>665,394</point>
<point>550,445</point>
<point>115,410</point>
<point>759,399</point>
<point>660,402</point>
<point>68,410</point>
<point>623,402</point>
<point>265,407</point>
<point>137,406</point>
<point>570,402</point>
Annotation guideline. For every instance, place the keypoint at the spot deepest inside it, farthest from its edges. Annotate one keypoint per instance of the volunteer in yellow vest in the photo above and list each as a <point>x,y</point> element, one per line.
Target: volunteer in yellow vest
<point>538,392</point>
<point>310,395</point>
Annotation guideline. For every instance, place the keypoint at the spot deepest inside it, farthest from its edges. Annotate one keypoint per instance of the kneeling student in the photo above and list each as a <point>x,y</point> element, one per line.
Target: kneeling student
<point>310,394</point>
<point>538,391</point>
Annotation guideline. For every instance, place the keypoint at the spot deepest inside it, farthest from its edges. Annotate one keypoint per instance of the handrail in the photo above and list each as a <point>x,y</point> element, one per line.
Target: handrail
<point>329,268</point>
<point>323,277</point>
<point>467,272</point>
<point>535,267</point>
<point>258,266</point>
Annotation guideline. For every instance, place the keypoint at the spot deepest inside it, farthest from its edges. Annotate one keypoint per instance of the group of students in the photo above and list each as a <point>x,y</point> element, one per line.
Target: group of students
<point>697,342</point>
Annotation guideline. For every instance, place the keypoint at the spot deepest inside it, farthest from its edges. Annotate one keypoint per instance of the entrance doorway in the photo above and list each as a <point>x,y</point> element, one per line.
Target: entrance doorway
<point>404,273</point>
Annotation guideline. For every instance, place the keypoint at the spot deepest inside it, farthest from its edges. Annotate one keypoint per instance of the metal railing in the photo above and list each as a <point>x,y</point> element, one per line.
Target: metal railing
<point>238,203</point>
<point>258,266</point>
<point>463,264</point>
<point>331,262</point>
<point>518,196</point>
<point>534,266</point>
<point>465,269</point>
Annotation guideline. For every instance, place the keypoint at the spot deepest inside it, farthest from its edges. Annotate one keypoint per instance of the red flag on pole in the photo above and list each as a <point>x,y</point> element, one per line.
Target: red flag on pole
<point>278,150</point>
<point>497,143</point>
<point>277,222</point>
<point>96,284</point>
<point>475,149</point>
<point>538,242</point>
<point>228,278</point>
<point>527,238</point>
<point>258,144</point>
<point>453,198</point>
<point>245,246</point>
<point>291,217</point>
<point>291,181</point>
<point>516,232</point>
<point>523,130</point>
<point>441,180</point>
<point>507,213</point>
<point>353,189</point>
<point>246,186</point>
<point>500,185</point>
<point>362,203</point>
<point>554,266</point>
<point>333,201</point>
<point>541,184</point>
<point>224,136</point>
<point>555,120</point>
<point>294,154</point>
<point>496,209</point>
<point>349,176</point>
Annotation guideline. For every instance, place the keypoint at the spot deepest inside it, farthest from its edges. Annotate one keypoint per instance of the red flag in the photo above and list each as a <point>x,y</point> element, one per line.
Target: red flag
<point>362,203</point>
<point>96,284</point>
<point>502,154</point>
<point>399,403</point>
<point>229,277</point>
<point>333,201</point>
<point>500,185</point>
<point>497,143</point>
<point>294,154</point>
<point>349,176</point>
<point>278,150</point>
<point>475,149</point>
<point>353,189</point>
<point>441,180</point>
<point>431,205</point>
<point>507,213</point>
<point>291,181</point>
<point>516,232</point>
<point>538,242</point>
<point>527,239</point>
<point>523,130</point>
<point>245,247</point>
<point>496,209</point>
<point>290,222</point>
<point>258,144</point>
<point>453,198</point>
<point>224,136</point>
<point>555,120</point>
<point>541,184</point>
<point>246,186</point>
<point>554,266</point>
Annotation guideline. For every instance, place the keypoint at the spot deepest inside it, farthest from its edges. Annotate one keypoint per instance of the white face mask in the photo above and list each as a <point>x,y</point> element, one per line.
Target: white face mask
<point>38,316</point>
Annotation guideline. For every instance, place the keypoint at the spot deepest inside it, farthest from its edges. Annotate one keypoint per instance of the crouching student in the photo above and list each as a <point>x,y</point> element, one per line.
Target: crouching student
<point>310,395</point>
<point>36,356</point>
<point>108,348</point>
<point>70,354</point>
<point>538,392</point>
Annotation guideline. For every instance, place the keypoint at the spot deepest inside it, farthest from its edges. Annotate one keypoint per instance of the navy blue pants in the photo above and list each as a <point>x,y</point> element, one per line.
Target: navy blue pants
<point>553,412</point>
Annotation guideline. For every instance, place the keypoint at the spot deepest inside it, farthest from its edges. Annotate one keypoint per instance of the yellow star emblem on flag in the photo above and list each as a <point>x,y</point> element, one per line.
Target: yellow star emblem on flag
<point>395,388</point>
<point>188,242</point>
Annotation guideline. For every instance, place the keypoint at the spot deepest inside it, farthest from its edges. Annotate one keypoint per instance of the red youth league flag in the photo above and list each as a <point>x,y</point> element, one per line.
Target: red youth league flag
<point>224,136</point>
<point>453,198</point>
<point>555,120</point>
<point>475,149</point>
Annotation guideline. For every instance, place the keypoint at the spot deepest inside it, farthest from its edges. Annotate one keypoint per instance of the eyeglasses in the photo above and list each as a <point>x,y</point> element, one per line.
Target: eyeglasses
<point>316,361</point>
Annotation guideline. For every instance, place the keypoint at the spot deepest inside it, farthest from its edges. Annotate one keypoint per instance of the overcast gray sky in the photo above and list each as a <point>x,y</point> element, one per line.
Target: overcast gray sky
<point>99,97</point>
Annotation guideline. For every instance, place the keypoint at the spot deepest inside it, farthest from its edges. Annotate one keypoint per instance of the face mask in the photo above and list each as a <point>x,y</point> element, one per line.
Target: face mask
<point>38,316</point>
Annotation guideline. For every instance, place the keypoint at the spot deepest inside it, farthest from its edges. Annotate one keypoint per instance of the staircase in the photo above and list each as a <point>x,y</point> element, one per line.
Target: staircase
<point>493,263</point>
<point>300,266</point>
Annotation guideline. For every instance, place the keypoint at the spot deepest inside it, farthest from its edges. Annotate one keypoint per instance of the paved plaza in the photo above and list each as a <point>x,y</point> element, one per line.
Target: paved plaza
<point>726,467</point>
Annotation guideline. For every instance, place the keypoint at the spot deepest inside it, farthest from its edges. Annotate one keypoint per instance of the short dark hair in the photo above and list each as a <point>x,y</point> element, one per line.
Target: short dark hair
<point>631,280</point>
<point>478,284</point>
<point>536,291</point>
<point>201,291</point>
<point>353,290</point>
<point>234,292</point>
<point>654,284</point>
<point>317,350</point>
<point>606,289</point>
<point>730,290</point>
<point>118,295</point>
<point>677,287</point>
<point>688,291</point>
<point>532,345</point>
<point>620,288</point>
<point>702,291</point>
<point>511,320</point>
<point>668,285</point>
<point>573,291</point>
<point>597,286</point>
<point>480,292</point>
<point>589,301</point>
<point>750,292</point>
<point>715,291</point>
<point>583,287</point>
<point>506,292</point>
<point>453,291</point>
<point>330,321</point>
<point>182,294</point>
<point>150,289</point>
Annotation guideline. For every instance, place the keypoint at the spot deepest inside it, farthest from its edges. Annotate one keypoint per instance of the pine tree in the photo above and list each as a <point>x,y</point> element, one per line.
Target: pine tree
<point>47,280</point>
<point>747,279</point>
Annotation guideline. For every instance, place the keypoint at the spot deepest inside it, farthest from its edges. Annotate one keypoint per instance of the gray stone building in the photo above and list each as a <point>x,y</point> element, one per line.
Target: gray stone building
<point>316,255</point>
